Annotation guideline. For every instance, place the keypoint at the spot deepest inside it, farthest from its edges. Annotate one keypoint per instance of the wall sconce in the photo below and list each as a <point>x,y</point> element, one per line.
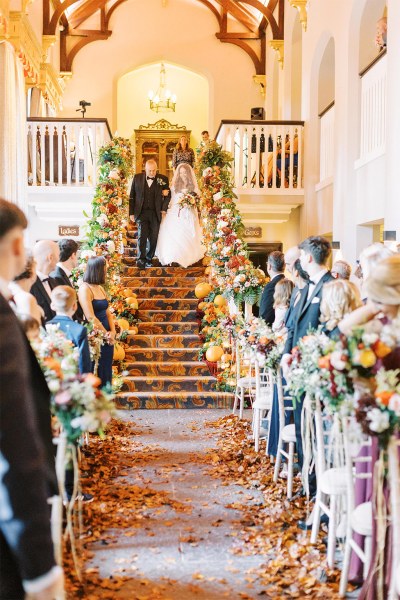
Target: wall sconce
<point>335,245</point>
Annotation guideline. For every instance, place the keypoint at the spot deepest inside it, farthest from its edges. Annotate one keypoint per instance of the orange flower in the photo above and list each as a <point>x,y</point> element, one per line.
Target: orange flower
<point>324,362</point>
<point>381,349</point>
<point>384,397</point>
<point>93,380</point>
<point>264,340</point>
<point>53,365</point>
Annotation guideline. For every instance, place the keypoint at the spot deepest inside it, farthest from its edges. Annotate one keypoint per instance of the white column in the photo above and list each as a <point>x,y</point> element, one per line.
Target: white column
<point>392,211</point>
<point>13,138</point>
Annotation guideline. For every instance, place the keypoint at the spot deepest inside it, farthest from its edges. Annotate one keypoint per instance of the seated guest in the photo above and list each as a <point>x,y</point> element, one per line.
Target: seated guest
<point>27,564</point>
<point>64,303</point>
<point>282,295</point>
<point>341,270</point>
<point>25,303</point>
<point>275,269</point>
<point>339,298</point>
<point>62,273</point>
<point>46,254</point>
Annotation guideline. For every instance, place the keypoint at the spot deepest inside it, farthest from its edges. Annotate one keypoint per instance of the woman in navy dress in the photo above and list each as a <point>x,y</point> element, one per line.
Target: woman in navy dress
<point>94,302</point>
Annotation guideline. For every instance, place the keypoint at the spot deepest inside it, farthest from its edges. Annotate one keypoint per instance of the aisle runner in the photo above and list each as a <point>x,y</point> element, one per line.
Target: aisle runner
<point>162,359</point>
<point>176,517</point>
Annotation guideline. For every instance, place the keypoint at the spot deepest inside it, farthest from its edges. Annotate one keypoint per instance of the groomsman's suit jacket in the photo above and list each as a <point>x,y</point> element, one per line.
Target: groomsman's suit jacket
<point>62,279</point>
<point>306,313</point>
<point>77,333</point>
<point>136,197</point>
<point>267,311</point>
<point>43,299</point>
<point>27,478</point>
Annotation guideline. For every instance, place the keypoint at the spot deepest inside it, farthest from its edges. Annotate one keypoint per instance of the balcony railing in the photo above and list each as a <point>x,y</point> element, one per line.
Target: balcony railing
<point>64,152</point>
<point>268,155</point>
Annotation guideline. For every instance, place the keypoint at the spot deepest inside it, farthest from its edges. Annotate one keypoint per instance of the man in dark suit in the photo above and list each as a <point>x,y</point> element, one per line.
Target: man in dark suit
<point>27,562</point>
<point>46,255</point>
<point>275,269</point>
<point>64,302</point>
<point>68,261</point>
<point>148,203</point>
<point>314,255</point>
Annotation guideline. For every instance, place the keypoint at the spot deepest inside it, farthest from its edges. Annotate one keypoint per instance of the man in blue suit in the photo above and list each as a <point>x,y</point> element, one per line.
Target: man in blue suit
<point>314,254</point>
<point>64,303</point>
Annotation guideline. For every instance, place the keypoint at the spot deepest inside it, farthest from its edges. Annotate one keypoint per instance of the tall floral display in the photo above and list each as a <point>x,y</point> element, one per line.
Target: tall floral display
<point>106,235</point>
<point>232,275</point>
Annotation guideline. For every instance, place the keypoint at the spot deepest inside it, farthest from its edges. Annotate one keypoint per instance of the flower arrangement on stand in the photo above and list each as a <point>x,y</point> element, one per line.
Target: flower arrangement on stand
<point>106,234</point>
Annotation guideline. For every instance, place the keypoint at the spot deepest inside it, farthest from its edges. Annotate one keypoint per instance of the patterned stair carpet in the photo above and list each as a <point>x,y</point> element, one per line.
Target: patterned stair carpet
<point>161,360</point>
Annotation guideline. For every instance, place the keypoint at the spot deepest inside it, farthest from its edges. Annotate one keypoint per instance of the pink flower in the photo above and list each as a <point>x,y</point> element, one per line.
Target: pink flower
<point>63,398</point>
<point>394,404</point>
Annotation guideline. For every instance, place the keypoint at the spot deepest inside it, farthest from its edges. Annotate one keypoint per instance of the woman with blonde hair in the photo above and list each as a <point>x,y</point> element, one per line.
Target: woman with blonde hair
<point>339,298</point>
<point>282,294</point>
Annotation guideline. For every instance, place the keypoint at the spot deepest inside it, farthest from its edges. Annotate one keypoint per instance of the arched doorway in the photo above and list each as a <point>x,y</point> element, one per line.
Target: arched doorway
<point>191,89</point>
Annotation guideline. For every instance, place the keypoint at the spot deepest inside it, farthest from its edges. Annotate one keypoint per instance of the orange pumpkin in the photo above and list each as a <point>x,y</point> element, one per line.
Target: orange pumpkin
<point>220,300</point>
<point>202,290</point>
<point>123,323</point>
<point>202,305</point>
<point>214,353</point>
<point>131,300</point>
<point>119,352</point>
<point>133,330</point>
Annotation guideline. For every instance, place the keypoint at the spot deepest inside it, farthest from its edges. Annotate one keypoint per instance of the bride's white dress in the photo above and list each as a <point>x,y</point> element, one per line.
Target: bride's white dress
<point>180,236</point>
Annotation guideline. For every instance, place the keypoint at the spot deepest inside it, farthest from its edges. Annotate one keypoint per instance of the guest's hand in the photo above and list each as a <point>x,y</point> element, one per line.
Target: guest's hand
<point>112,337</point>
<point>163,213</point>
<point>132,218</point>
<point>165,192</point>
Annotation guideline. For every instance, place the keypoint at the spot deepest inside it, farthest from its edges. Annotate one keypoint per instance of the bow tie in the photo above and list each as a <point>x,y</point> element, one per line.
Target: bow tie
<point>152,178</point>
<point>311,282</point>
<point>45,279</point>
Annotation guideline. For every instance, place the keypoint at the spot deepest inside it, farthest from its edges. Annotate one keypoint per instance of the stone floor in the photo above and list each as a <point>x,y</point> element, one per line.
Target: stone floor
<point>182,555</point>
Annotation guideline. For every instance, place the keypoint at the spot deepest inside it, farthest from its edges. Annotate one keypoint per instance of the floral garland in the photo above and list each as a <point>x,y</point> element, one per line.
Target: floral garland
<point>106,233</point>
<point>231,268</point>
<point>352,375</point>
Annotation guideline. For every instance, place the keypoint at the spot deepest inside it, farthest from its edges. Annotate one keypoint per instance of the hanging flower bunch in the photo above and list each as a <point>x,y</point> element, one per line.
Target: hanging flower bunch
<point>223,228</point>
<point>77,402</point>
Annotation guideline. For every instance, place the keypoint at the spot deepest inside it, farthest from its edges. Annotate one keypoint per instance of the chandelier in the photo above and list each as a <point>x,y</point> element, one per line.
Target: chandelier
<point>163,100</point>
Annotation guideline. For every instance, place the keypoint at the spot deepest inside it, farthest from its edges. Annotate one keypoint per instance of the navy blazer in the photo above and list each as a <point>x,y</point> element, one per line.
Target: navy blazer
<point>43,299</point>
<point>267,311</point>
<point>62,279</point>
<point>136,197</point>
<point>25,537</point>
<point>77,333</point>
<point>307,313</point>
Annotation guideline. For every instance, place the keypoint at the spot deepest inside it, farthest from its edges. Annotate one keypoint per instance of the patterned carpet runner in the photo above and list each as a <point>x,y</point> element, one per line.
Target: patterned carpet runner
<point>162,363</point>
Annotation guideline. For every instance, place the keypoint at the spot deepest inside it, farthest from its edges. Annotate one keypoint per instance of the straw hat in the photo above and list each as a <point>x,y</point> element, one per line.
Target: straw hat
<point>383,285</point>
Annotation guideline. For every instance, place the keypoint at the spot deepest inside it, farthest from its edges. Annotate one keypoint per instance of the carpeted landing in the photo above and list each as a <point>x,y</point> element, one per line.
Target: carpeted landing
<point>162,364</point>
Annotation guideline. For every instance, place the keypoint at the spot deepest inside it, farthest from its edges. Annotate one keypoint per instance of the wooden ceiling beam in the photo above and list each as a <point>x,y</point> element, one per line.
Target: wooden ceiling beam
<point>240,14</point>
<point>84,11</point>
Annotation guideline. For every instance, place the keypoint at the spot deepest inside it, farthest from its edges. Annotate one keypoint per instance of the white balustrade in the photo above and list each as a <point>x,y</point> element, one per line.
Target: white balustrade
<point>373,111</point>
<point>64,152</point>
<point>326,144</point>
<point>258,148</point>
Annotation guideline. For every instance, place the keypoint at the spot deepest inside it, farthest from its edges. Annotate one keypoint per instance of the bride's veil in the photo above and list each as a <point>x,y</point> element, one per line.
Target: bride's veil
<point>177,182</point>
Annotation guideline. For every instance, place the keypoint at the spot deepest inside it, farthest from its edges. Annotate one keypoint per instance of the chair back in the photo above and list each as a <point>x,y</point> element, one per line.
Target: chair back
<point>264,383</point>
<point>394,479</point>
<point>357,457</point>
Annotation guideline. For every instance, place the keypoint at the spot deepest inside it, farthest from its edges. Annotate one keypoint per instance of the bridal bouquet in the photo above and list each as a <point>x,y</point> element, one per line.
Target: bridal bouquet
<point>188,200</point>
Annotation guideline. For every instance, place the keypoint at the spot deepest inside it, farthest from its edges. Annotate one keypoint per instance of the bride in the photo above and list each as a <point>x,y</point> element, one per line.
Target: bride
<point>180,236</point>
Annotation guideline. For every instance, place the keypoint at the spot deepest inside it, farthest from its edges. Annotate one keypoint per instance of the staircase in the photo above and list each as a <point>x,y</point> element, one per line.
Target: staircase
<point>162,365</point>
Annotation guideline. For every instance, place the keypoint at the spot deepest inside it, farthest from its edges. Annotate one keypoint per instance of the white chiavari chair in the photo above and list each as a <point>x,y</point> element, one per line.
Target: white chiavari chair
<point>263,401</point>
<point>286,440</point>
<point>245,378</point>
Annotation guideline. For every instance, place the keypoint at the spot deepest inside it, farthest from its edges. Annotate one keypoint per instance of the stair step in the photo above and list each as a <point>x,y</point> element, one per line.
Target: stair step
<point>153,282</point>
<point>164,328</point>
<point>169,383</point>
<point>168,304</point>
<point>164,341</point>
<point>171,316</point>
<point>155,400</point>
<point>135,355</point>
<point>162,271</point>
<point>171,368</point>
<point>166,292</point>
